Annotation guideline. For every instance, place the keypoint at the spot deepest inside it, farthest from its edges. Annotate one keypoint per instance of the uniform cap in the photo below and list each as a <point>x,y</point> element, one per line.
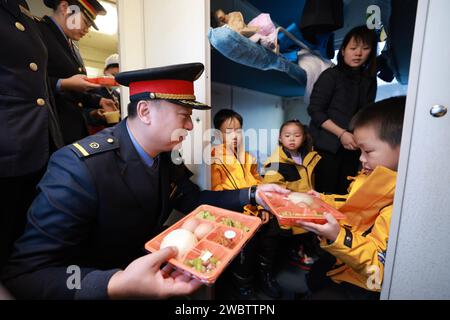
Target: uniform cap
<point>173,83</point>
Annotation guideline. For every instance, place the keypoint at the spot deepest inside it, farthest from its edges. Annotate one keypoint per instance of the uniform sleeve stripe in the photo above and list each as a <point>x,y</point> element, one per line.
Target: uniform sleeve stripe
<point>81,149</point>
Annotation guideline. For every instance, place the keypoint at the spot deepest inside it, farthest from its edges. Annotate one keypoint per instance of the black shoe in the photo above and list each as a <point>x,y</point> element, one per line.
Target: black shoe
<point>242,288</point>
<point>268,283</point>
<point>245,293</point>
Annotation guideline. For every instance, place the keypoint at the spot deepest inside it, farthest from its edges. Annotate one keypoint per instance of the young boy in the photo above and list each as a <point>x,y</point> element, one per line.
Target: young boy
<point>359,242</point>
<point>233,168</point>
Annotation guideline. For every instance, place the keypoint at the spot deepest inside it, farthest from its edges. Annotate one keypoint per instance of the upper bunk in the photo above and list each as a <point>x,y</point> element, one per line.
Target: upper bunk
<point>237,61</point>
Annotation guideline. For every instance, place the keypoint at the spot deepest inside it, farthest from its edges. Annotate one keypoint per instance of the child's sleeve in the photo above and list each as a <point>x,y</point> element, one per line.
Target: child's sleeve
<point>272,176</point>
<point>364,253</point>
<point>334,200</point>
<point>218,178</point>
<point>254,172</point>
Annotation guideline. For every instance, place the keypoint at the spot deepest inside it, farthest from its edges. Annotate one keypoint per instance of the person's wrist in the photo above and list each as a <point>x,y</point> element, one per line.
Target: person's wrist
<point>342,133</point>
<point>113,290</point>
<point>252,195</point>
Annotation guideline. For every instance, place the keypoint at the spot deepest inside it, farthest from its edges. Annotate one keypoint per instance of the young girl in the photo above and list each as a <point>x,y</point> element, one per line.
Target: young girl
<point>292,166</point>
<point>337,95</point>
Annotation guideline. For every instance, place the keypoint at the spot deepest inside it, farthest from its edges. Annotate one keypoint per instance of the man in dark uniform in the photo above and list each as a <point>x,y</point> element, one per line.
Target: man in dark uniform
<point>29,129</point>
<point>66,67</point>
<point>103,197</point>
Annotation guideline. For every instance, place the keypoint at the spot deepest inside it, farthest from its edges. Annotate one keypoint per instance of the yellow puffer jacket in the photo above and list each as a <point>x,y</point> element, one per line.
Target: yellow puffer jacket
<point>283,170</point>
<point>360,247</point>
<point>230,173</point>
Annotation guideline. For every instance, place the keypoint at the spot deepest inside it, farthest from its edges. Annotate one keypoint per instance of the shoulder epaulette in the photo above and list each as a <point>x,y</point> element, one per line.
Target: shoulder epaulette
<point>27,12</point>
<point>94,145</point>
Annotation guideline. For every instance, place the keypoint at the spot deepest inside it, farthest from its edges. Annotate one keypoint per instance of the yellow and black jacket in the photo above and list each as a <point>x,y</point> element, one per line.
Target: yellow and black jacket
<point>360,248</point>
<point>281,169</point>
<point>231,172</point>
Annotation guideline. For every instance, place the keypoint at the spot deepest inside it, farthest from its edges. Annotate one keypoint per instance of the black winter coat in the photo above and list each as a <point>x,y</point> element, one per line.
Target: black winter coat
<point>337,95</point>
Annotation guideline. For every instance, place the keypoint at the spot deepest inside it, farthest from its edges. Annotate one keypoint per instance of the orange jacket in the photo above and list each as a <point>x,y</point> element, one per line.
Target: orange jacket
<point>230,173</point>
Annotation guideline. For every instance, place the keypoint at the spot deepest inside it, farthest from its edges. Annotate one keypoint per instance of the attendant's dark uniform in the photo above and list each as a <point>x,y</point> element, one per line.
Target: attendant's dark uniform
<point>99,203</point>
<point>29,129</point>
<point>65,62</point>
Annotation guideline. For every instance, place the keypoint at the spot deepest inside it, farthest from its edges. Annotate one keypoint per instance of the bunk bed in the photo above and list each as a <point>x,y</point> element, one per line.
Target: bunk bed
<point>237,61</point>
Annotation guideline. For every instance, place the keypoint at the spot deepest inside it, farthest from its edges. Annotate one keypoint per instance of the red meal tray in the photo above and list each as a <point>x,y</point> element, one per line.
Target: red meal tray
<point>289,213</point>
<point>104,81</point>
<point>213,242</point>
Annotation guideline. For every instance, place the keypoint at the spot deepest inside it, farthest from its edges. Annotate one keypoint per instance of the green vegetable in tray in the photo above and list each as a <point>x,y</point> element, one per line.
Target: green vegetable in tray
<point>206,215</point>
<point>229,222</point>
<point>203,266</point>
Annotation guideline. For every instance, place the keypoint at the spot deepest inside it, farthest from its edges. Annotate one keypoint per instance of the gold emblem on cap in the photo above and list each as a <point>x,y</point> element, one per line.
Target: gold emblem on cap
<point>110,140</point>
<point>40,102</point>
<point>152,96</point>
<point>94,145</point>
<point>33,66</point>
<point>20,26</point>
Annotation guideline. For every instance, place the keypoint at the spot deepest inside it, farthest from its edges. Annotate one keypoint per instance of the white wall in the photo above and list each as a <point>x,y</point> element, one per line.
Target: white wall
<point>260,111</point>
<point>159,33</point>
<point>296,108</point>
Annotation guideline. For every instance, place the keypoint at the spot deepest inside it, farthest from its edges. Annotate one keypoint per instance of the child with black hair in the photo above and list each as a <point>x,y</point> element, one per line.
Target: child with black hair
<point>292,166</point>
<point>357,245</point>
<point>233,168</point>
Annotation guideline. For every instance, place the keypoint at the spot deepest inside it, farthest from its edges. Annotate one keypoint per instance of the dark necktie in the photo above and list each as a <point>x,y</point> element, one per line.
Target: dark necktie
<point>75,52</point>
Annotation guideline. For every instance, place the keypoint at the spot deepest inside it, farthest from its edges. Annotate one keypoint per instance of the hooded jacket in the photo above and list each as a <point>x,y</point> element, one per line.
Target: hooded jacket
<point>281,169</point>
<point>360,247</point>
<point>230,173</point>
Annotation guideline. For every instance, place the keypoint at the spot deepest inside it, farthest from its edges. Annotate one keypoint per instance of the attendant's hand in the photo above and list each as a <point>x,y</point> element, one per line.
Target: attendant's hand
<point>143,279</point>
<point>271,187</point>
<point>108,105</point>
<point>78,83</point>
<point>330,230</point>
<point>348,141</point>
<point>97,114</point>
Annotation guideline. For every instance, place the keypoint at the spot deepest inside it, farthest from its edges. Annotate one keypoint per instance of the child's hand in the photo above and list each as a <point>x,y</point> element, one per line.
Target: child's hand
<point>330,230</point>
<point>313,193</point>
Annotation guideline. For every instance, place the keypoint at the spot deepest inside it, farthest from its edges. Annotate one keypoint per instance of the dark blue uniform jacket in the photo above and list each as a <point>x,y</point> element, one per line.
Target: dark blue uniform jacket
<point>96,209</point>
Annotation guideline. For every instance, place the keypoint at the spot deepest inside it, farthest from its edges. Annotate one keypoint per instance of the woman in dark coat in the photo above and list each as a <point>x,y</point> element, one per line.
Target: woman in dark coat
<point>70,22</point>
<point>337,95</point>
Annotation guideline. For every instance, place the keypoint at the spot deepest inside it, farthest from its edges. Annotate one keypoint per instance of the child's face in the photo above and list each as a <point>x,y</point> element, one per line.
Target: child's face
<point>355,54</point>
<point>375,152</point>
<point>231,132</point>
<point>291,137</point>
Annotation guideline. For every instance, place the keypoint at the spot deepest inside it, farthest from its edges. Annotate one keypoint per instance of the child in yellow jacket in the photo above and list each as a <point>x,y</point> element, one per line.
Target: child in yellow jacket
<point>359,242</point>
<point>292,166</point>
<point>233,168</point>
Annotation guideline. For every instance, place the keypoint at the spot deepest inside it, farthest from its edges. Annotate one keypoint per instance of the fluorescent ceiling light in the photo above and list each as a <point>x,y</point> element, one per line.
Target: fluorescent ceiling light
<point>107,24</point>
